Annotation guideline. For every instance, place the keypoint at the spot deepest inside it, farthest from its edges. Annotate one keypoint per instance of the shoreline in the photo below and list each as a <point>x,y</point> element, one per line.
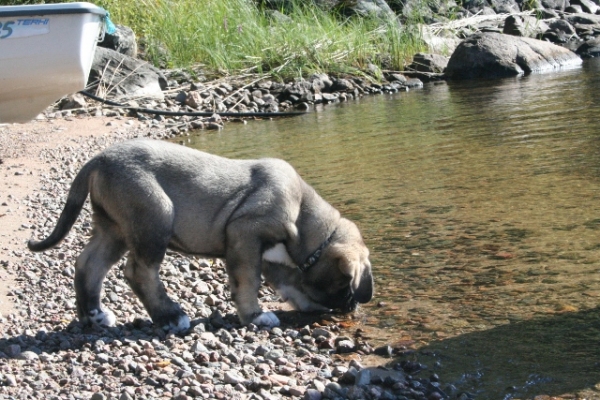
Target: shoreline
<point>309,356</point>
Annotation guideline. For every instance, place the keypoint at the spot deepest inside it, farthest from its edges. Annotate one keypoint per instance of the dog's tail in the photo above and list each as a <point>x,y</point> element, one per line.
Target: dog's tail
<point>75,200</point>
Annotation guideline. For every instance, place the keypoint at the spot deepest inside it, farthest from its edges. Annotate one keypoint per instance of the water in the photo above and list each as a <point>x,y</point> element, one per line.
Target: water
<point>480,204</point>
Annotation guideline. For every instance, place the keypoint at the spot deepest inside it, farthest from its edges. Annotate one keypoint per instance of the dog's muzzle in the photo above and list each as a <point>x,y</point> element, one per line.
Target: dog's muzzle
<point>350,306</point>
<point>345,302</point>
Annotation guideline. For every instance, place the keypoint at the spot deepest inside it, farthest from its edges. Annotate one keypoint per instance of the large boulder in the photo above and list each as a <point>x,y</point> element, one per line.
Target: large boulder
<point>494,55</point>
<point>120,76</point>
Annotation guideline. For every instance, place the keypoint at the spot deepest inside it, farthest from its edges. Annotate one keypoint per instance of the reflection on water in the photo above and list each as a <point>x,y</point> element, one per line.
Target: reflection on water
<point>480,204</point>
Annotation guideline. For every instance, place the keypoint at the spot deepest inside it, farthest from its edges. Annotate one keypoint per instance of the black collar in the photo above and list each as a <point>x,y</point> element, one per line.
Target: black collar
<point>314,257</point>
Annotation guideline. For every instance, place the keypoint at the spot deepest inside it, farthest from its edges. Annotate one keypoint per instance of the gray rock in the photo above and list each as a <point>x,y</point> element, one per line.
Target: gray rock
<point>505,6</point>
<point>274,354</point>
<point>524,26</point>
<point>363,377</point>
<point>555,4</point>
<point>563,26</point>
<point>333,390</point>
<point>574,9</point>
<point>355,364</point>
<point>178,361</point>
<point>359,393</point>
<point>590,49</point>
<point>339,370</point>
<point>330,97</point>
<point>10,380</point>
<point>232,378</point>
<point>318,386</point>
<point>125,396</point>
<point>342,85</point>
<point>492,55</point>
<point>299,92</point>
<point>378,8</point>
<point>122,41</point>
<point>581,18</point>
<point>198,347</point>
<point>345,346</point>
<point>349,377</point>
<point>413,83</point>
<point>103,358</point>
<point>12,350</point>
<point>321,332</point>
<point>587,6</point>
<point>72,101</point>
<point>411,8</point>
<point>124,76</point>
<point>312,394</point>
<point>423,62</point>
<point>474,6</point>
<point>297,391</point>
<point>560,31</point>
<point>320,82</point>
<point>28,355</point>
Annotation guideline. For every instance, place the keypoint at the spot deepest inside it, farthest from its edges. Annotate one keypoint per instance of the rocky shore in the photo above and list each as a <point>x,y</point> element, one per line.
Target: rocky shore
<point>46,354</point>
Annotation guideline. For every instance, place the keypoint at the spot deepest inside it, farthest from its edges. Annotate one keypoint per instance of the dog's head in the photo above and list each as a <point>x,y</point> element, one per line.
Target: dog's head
<point>339,280</point>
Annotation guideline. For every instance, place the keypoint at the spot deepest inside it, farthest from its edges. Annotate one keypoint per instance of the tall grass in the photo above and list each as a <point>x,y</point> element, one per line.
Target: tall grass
<point>234,36</point>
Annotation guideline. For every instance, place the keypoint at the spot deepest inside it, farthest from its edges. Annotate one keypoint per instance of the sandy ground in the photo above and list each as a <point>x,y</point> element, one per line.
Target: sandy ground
<point>20,168</point>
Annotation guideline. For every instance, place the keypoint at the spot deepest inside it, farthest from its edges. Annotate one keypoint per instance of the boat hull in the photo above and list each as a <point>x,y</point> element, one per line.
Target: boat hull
<point>46,52</point>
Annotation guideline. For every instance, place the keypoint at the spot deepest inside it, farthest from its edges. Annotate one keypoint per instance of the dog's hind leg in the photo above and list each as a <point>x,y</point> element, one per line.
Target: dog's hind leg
<point>99,255</point>
<point>143,278</point>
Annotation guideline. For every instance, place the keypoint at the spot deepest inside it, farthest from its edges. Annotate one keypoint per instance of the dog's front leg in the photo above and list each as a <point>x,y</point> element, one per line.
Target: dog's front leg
<point>143,278</point>
<point>244,269</point>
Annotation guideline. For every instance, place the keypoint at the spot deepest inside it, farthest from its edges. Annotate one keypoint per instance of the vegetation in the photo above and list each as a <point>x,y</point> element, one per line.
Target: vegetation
<point>238,36</point>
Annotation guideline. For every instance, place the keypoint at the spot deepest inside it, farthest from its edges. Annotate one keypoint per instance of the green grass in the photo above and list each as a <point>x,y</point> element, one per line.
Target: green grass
<point>237,36</point>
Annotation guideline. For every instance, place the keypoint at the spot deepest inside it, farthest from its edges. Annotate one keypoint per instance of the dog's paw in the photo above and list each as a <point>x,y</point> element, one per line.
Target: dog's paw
<point>266,319</point>
<point>182,324</point>
<point>102,317</point>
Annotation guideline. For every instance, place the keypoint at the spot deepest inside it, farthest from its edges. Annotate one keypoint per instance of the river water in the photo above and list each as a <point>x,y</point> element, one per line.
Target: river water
<point>480,202</point>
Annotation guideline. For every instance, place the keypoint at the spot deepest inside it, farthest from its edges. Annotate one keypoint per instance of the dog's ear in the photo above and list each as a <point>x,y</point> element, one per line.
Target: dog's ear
<point>361,278</point>
<point>363,292</point>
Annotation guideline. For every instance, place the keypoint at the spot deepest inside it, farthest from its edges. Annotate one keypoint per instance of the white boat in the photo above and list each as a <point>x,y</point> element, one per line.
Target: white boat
<point>46,52</point>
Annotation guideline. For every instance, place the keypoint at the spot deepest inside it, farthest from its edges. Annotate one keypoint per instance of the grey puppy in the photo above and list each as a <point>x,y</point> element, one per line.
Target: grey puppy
<point>149,196</point>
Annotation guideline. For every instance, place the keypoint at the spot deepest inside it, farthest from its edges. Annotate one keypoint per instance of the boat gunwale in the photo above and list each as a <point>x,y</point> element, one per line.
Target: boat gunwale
<point>51,9</point>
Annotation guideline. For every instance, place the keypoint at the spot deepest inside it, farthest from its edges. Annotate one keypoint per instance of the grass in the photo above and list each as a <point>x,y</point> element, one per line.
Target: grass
<point>237,36</point>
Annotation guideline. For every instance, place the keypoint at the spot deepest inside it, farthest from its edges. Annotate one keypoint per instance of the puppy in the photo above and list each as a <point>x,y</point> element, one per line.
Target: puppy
<point>149,196</point>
